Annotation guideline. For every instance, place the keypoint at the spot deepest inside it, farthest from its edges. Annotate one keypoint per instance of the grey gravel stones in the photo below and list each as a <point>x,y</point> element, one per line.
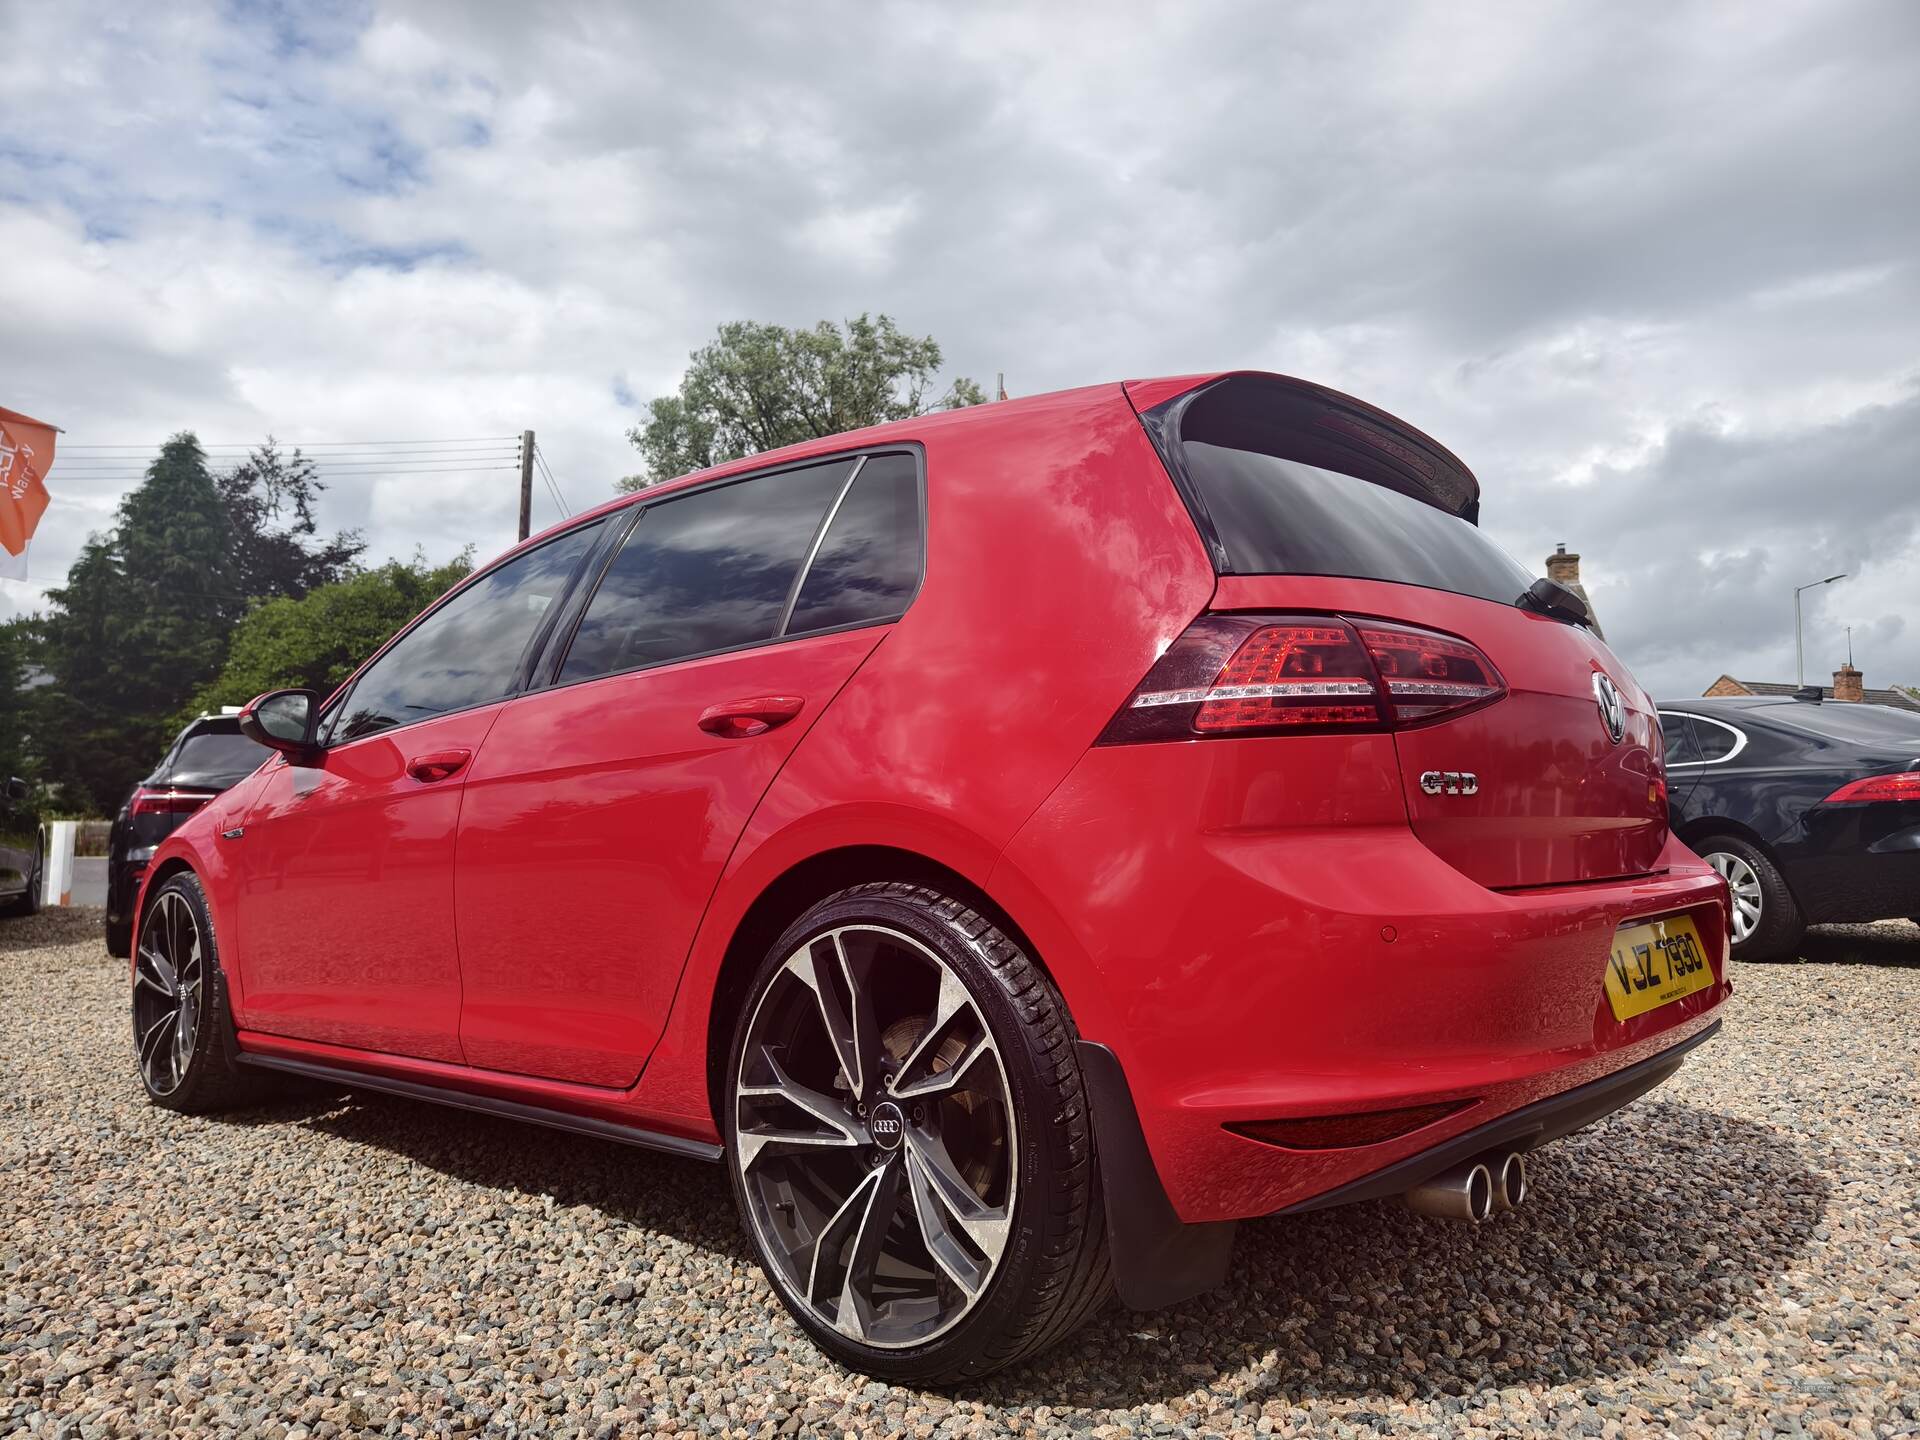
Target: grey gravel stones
<point>1736,1255</point>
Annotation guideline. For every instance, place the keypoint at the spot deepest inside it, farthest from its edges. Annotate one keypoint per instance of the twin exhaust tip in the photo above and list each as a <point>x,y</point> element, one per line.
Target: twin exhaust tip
<point>1475,1190</point>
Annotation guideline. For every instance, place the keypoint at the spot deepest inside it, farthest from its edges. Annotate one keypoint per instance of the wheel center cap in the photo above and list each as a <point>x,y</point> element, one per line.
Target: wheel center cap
<point>886,1125</point>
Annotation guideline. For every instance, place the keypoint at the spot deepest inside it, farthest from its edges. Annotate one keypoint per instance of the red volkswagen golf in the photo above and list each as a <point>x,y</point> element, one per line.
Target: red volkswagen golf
<point>1018,843</point>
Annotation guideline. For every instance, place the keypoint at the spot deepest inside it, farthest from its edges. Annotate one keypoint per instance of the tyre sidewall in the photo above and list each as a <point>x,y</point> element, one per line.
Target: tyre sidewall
<point>1038,1144</point>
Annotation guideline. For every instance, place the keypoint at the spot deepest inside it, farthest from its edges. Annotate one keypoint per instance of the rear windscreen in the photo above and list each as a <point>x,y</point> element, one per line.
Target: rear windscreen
<point>1295,485</point>
<point>216,756</point>
<point>1851,722</point>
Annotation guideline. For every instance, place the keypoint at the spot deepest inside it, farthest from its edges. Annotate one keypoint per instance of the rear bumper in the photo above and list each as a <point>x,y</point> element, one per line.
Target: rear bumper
<point>1521,1129</point>
<point>1255,943</point>
<point>1870,882</point>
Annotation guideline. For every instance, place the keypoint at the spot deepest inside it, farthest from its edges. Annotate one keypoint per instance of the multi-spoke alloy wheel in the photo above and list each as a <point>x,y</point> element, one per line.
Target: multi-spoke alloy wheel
<point>168,985</point>
<point>182,1038</point>
<point>910,1140</point>
<point>1745,886</point>
<point>876,1136</point>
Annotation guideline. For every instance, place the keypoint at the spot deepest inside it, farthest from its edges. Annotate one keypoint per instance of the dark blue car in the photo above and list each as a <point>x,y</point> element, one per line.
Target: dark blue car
<point>1810,809</point>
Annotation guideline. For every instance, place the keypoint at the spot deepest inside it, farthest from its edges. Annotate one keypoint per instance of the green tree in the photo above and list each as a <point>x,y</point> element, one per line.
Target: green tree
<point>141,622</point>
<point>758,387</point>
<point>16,639</point>
<point>270,498</point>
<point>316,641</point>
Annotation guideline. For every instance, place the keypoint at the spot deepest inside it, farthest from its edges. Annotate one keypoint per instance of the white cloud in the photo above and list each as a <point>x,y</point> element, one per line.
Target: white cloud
<point>1597,250</point>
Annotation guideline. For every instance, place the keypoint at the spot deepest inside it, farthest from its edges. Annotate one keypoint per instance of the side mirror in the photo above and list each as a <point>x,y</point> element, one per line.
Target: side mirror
<point>282,720</point>
<point>17,791</point>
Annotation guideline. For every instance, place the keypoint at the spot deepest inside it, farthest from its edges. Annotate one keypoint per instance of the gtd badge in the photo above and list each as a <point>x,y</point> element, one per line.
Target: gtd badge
<point>1613,714</point>
<point>885,1124</point>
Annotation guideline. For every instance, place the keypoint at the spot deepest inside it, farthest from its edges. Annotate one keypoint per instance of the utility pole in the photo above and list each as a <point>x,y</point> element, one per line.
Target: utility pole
<point>526,483</point>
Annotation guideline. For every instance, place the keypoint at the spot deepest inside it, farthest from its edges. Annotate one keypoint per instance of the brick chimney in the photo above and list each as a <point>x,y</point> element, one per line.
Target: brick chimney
<point>1563,568</point>
<point>1847,684</point>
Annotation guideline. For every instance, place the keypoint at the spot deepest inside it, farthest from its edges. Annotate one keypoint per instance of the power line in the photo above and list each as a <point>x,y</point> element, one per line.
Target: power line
<point>552,484</point>
<point>303,444</point>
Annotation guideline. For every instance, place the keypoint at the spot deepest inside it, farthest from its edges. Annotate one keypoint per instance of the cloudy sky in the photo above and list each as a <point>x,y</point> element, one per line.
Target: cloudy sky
<point>1653,270</point>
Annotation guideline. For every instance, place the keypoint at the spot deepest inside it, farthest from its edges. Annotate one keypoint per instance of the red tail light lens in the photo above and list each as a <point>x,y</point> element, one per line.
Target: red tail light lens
<point>1902,785</point>
<point>1301,674</point>
<point>169,802</point>
<point>1429,675</point>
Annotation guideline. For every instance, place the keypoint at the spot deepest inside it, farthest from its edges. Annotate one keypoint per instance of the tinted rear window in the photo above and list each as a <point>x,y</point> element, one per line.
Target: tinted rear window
<point>217,755</point>
<point>1850,722</point>
<point>704,572</point>
<point>1296,482</point>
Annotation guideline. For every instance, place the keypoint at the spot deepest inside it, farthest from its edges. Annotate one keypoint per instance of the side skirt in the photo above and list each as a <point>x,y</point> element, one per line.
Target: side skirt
<point>486,1105</point>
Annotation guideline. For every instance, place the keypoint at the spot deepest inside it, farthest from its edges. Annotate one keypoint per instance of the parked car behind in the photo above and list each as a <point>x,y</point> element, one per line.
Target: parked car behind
<point>206,757</point>
<point>1811,810</point>
<point>22,855</point>
<point>1018,842</point>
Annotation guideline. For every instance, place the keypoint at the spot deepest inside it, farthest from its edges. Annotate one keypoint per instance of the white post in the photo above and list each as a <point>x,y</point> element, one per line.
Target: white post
<point>61,835</point>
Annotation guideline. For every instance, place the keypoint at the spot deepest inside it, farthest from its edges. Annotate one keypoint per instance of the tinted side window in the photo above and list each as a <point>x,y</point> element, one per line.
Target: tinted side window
<point>468,651</point>
<point>705,572</point>
<point>869,561</point>
<point>1681,749</point>
<point>1716,741</point>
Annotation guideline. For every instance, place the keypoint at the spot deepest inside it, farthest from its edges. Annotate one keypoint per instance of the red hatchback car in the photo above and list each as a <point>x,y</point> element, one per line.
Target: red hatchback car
<point>1019,843</point>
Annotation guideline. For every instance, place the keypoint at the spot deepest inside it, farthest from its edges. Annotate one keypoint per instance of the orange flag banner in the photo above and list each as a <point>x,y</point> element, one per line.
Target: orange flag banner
<point>26,454</point>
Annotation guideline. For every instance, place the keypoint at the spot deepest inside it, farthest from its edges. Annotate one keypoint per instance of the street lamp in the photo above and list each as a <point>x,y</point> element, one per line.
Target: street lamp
<point>1799,646</point>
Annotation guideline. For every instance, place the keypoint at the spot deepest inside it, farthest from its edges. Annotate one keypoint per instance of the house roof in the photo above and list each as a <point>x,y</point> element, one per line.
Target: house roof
<point>1897,698</point>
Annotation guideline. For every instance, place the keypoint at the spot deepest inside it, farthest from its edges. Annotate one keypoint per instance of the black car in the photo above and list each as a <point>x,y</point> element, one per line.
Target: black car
<point>209,756</point>
<point>21,854</point>
<point>1811,810</point>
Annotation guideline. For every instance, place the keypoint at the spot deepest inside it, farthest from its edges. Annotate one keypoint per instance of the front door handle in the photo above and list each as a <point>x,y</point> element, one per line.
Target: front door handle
<point>438,765</point>
<point>739,719</point>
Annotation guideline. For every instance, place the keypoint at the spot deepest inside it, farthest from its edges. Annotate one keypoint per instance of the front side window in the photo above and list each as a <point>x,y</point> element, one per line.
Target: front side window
<point>467,652</point>
<point>704,572</point>
<point>868,562</point>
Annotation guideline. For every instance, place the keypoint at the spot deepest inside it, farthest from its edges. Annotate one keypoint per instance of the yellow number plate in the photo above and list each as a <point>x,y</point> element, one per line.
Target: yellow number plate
<point>1654,964</point>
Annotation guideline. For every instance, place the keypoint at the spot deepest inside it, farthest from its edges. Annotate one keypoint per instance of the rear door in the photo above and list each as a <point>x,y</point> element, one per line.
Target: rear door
<point>1313,502</point>
<point>602,809</point>
<point>346,864</point>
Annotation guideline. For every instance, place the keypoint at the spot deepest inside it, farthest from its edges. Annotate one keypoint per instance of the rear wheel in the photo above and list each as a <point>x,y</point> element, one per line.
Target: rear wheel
<point>1766,922</point>
<point>910,1143</point>
<point>182,1033</point>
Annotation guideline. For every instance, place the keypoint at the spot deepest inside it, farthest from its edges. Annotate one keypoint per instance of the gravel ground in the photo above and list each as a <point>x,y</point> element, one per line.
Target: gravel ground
<point>1737,1254</point>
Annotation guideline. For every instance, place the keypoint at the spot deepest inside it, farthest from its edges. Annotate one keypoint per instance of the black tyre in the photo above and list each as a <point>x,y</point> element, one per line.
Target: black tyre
<point>909,1140</point>
<point>120,939</point>
<point>182,1031</point>
<point>29,903</point>
<point>1767,924</point>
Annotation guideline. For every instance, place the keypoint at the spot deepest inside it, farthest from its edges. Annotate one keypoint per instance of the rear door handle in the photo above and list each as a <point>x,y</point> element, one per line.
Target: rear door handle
<point>438,765</point>
<point>739,719</point>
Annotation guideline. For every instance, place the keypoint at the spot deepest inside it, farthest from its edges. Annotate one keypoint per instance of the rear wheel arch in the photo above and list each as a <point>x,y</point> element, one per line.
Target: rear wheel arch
<point>1696,832</point>
<point>796,890</point>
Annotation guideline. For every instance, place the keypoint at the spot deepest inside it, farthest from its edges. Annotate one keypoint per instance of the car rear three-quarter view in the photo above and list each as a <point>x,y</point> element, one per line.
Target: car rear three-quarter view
<point>1020,843</point>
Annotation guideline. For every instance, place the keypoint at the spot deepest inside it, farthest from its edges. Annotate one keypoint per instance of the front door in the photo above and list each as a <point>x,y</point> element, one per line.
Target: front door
<point>346,865</point>
<point>601,811</point>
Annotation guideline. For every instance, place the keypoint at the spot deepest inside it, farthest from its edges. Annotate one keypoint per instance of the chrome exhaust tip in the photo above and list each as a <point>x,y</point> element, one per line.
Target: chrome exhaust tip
<point>1462,1193</point>
<point>1510,1182</point>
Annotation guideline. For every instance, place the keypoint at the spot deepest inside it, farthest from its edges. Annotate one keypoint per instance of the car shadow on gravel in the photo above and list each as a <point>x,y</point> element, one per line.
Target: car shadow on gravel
<point>684,1198</point>
<point>1642,1232</point>
<point>1895,945</point>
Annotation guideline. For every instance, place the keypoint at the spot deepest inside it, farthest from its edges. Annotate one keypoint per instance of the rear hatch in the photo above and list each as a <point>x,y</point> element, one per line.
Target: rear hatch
<point>1528,755</point>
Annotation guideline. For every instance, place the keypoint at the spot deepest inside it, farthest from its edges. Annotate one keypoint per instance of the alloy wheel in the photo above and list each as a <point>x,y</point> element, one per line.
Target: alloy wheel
<point>1745,886</point>
<point>168,983</point>
<point>875,1137</point>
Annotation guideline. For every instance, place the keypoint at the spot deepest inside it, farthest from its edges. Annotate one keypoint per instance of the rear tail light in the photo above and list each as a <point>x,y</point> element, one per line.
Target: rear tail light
<point>169,802</point>
<point>1902,785</point>
<point>1302,674</point>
